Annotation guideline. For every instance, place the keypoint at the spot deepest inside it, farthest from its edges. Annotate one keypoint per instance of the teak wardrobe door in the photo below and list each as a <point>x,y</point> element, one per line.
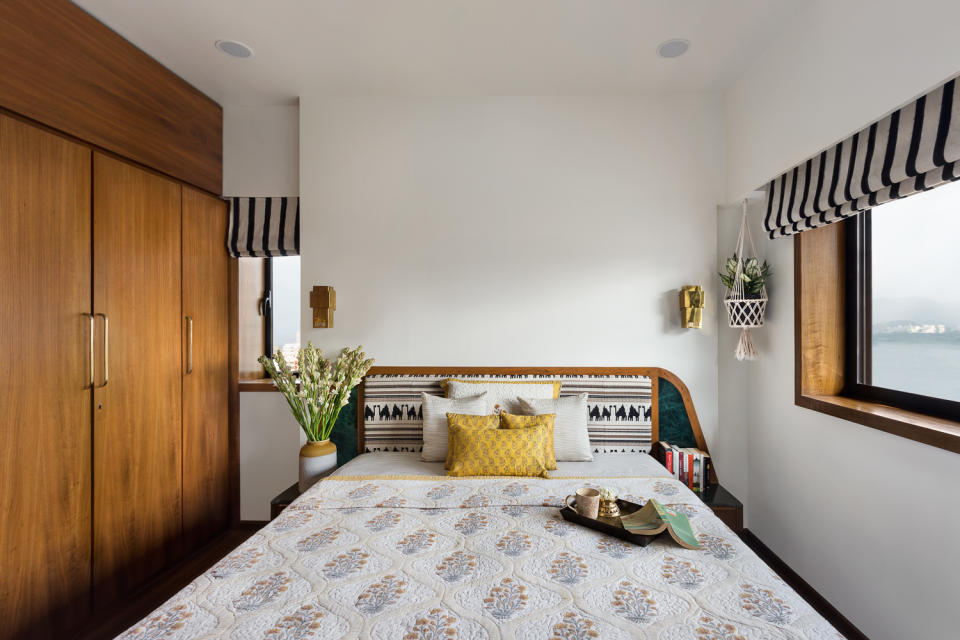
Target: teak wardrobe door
<point>136,438</point>
<point>206,367</point>
<point>45,396</point>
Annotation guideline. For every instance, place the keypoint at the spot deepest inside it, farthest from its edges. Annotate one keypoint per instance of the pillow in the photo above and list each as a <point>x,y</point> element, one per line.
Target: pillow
<point>502,394</point>
<point>435,410</point>
<point>468,423</point>
<point>571,441</point>
<point>499,452</point>
<point>510,421</point>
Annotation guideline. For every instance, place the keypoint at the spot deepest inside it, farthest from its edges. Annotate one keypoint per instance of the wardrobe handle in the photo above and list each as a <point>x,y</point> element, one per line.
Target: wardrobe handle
<point>189,345</point>
<point>106,349</point>
<point>92,363</point>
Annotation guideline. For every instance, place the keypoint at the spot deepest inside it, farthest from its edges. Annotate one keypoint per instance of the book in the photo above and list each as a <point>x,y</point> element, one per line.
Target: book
<point>654,518</point>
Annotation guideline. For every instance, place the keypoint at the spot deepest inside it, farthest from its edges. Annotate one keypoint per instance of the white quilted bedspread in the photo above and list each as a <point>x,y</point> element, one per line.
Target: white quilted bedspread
<point>476,558</point>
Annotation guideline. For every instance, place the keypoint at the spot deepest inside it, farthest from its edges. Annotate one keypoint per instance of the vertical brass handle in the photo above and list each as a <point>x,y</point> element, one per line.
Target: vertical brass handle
<point>189,345</point>
<point>92,363</point>
<point>106,349</point>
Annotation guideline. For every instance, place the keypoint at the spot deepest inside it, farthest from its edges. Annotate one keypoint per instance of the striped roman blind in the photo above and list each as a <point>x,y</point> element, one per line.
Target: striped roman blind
<point>263,227</point>
<point>915,148</point>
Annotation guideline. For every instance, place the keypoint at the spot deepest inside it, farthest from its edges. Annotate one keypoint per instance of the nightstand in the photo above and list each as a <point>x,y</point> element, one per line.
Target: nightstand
<point>724,505</point>
<point>292,492</point>
<point>283,500</point>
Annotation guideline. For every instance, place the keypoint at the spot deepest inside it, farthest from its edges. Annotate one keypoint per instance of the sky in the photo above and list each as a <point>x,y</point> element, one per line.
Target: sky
<point>916,257</point>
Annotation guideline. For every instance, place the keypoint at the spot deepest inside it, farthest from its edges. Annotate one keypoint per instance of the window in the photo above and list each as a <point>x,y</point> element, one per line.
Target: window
<point>269,313</point>
<point>903,314</point>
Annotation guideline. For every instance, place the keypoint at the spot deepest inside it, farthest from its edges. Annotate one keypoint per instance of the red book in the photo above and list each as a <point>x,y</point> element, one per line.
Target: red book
<point>690,470</point>
<point>668,460</point>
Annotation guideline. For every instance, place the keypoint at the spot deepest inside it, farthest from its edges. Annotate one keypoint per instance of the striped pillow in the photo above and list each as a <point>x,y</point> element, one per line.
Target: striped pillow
<point>435,410</point>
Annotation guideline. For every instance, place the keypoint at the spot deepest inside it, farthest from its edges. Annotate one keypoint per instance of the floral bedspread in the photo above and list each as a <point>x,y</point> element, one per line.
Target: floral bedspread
<point>471,558</point>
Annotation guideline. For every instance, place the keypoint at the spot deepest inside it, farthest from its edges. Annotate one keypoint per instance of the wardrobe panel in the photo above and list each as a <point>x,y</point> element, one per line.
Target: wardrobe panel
<point>45,401</point>
<point>137,409</point>
<point>206,322</point>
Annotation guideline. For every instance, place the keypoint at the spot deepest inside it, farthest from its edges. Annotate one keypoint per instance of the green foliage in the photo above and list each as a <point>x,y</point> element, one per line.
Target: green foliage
<point>323,388</point>
<point>753,276</point>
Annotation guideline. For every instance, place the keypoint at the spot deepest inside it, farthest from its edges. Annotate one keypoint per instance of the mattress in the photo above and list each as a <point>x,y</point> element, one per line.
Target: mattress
<point>604,465</point>
<point>402,554</point>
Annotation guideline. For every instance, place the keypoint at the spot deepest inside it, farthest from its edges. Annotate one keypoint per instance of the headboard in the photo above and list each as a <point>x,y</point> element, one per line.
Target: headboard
<point>631,408</point>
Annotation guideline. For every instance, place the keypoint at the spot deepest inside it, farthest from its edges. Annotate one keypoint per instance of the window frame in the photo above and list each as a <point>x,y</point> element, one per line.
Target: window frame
<point>859,334</point>
<point>821,353</point>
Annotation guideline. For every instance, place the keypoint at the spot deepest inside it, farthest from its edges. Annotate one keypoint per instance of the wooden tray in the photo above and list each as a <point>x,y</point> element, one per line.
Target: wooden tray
<point>611,526</point>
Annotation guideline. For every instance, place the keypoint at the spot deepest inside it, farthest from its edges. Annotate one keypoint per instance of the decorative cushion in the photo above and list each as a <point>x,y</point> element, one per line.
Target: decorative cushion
<point>468,423</point>
<point>499,452</point>
<point>511,421</point>
<point>571,440</point>
<point>435,410</point>
<point>502,394</point>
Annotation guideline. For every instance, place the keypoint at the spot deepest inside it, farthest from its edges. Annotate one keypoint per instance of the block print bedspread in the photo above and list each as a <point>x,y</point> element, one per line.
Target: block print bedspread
<point>476,558</point>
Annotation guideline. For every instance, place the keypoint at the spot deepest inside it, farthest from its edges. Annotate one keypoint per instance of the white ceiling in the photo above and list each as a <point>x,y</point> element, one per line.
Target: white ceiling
<point>447,47</point>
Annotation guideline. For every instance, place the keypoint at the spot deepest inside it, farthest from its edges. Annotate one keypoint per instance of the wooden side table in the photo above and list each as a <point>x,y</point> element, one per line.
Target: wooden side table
<point>725,506</point>
<point>291,493</point>
<point>283,500</point>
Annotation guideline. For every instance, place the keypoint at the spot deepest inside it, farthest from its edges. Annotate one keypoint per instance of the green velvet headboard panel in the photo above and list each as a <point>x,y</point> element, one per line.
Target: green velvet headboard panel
<point>345,431</point>
<point>675,426</point>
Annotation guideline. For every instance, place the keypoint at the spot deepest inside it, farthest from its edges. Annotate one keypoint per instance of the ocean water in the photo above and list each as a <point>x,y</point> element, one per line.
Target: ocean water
<point>930,368</point>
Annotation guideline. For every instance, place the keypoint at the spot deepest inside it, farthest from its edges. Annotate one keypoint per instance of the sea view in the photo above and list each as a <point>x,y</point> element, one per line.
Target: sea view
<point>927,365</point>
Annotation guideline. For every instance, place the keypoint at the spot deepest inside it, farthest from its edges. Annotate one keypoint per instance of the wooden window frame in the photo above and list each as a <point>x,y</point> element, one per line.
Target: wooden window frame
<point>825,378</point>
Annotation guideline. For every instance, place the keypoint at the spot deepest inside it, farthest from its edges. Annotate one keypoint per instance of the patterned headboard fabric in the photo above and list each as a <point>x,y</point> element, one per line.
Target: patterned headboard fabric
<point>623,404</point>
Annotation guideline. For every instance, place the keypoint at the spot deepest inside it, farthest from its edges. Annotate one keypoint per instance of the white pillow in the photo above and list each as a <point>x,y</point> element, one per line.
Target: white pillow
<point>502,394</point>
<point>435,410</point>
<point>571,442</point>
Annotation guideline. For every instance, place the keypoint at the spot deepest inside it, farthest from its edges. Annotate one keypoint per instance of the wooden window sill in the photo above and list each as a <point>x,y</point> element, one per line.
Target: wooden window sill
<point>937,432</point>
<point>259,384</point>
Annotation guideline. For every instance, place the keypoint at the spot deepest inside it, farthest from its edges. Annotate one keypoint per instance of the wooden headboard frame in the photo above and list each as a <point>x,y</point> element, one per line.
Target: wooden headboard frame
<point>654,373</point>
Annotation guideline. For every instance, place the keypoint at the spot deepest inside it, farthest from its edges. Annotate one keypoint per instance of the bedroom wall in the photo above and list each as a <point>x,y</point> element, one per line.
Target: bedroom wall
<point>515,231</point>
<point>822,489</point>
<point>261,158</point>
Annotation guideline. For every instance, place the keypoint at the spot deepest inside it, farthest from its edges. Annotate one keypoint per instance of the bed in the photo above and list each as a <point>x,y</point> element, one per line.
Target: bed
<point>390,548</point>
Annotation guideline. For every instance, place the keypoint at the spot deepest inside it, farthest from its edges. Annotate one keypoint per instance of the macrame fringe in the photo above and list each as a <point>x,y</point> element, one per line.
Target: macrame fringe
<point>746,350</point>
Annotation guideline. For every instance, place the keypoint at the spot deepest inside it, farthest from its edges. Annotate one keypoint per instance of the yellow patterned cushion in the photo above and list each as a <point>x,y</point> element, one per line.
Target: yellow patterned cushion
<point>468,424</point>
<point>511,421</point>
<point>499,452</point>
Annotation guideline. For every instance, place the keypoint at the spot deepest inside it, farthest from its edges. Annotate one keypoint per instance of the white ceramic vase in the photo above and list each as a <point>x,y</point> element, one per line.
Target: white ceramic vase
<point>316,461</point>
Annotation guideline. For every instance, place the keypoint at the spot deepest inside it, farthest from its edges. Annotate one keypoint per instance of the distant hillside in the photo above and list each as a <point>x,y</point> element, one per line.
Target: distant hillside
<point>912,331</point>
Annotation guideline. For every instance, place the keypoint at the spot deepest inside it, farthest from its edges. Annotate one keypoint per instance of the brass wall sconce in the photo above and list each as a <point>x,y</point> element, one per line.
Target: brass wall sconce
<point>323,301</point>
<point>691,306</point>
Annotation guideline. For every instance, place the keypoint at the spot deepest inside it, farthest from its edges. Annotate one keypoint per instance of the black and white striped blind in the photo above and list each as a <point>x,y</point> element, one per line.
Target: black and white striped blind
<point>915,148</point>
<point>263,227</point>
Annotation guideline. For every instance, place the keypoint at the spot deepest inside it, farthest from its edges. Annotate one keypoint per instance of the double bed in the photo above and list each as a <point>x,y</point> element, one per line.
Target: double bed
<point>389,547</point>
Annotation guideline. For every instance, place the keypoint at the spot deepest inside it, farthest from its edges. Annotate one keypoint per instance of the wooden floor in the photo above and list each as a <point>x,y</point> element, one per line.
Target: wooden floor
<point>158,591</point>
<point>118,619</point>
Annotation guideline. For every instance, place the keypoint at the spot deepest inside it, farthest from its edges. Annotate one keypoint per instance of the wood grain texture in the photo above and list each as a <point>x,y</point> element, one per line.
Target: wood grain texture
<point>137,429</point>
<point>206,379</point>
<point>654,373</point>
<point>45,405</point>
<point>65,69</point>
<point>820,308</point>
<point>234,398</point>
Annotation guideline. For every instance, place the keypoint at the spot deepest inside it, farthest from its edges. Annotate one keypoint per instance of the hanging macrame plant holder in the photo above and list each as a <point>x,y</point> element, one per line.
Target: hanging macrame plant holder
<point>745,311</point>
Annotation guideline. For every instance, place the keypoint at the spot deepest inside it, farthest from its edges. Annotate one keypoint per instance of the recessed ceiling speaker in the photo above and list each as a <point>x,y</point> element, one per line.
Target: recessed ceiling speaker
<point>234,49</point>
<point>673,48</point>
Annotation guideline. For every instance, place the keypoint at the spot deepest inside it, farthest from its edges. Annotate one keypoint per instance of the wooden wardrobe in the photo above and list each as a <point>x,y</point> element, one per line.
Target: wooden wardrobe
<point>115,369</point>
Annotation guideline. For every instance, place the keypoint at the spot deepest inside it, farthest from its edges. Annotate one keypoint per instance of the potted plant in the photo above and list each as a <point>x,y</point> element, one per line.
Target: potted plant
<point>753,276</point>
<point>315,399</point>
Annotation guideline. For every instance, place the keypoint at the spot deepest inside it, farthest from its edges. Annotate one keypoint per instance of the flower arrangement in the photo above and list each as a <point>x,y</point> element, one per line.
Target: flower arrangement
<point>323,388</point>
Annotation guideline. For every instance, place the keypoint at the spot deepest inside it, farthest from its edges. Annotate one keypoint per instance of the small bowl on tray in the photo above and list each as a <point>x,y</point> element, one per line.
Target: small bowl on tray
<point>610,525</point>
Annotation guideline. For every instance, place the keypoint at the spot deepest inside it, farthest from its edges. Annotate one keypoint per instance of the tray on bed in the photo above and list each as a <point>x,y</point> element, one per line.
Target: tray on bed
<point>611,526</point>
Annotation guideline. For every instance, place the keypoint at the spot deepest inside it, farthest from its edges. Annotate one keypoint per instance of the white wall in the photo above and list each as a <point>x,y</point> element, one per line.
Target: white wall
<point>515,231</point>
<point>822,489</point>
<point>261,158</point>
